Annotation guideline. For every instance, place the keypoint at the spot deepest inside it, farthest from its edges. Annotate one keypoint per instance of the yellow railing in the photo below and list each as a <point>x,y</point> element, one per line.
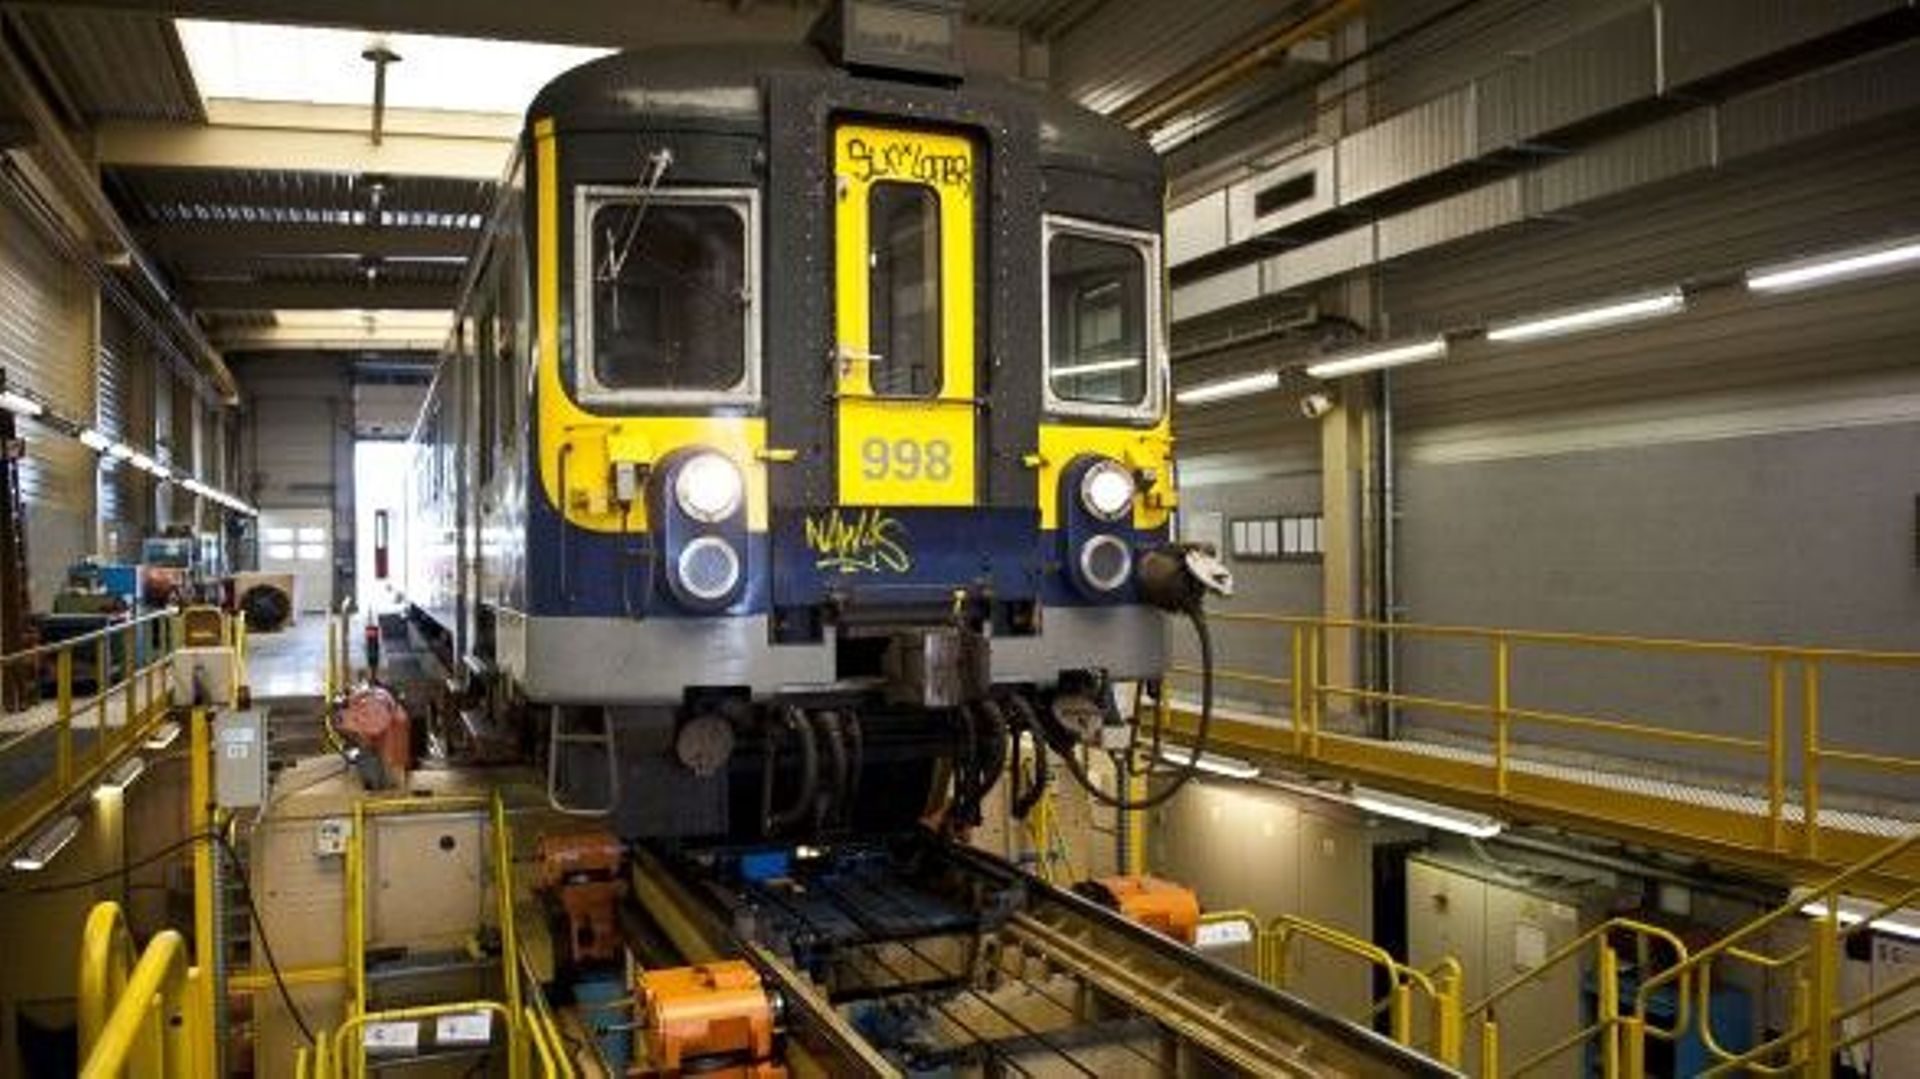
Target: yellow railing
<point>1786,730</point>
<point>147,1017</point>
<point>121,712</point>
<point>1612,1030</point>
<point>1439,988</point>
<point>511,968</point>
<point>1825,1021</point>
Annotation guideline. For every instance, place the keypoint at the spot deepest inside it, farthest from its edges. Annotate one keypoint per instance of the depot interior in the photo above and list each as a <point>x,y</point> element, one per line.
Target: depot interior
<point>1543,374</point>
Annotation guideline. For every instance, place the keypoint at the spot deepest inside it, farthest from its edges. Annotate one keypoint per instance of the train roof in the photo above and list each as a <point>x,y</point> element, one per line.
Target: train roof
<point>718,88</point>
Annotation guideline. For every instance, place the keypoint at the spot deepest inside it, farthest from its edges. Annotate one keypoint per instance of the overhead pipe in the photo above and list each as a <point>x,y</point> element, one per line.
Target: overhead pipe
<point>1188,89</point>
<point>80,184</point>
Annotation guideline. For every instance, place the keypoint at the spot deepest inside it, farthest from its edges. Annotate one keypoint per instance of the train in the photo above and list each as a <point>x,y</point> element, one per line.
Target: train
<point>803,437</point>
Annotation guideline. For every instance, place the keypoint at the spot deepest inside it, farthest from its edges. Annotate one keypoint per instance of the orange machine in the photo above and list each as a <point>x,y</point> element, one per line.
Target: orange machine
<point>711,1014</point>
<point>1167,908</point>
<point>581,872</point>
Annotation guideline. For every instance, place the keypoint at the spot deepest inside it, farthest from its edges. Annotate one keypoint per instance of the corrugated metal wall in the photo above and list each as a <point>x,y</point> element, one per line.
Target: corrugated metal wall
<point>44,332</point>
<point>125,515</point>
<point>1745,470</point>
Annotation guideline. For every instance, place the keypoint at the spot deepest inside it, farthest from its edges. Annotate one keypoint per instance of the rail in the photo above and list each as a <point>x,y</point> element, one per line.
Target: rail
<point>1791,761</point>
<point>147,1016</point>
<point>67,748</point>
<point>1439,988</point>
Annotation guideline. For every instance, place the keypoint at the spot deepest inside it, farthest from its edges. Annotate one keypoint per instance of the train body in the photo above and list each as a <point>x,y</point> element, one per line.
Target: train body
<point>790,382</point>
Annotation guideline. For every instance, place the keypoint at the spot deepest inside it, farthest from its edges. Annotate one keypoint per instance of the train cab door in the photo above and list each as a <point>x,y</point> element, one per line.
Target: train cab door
<point>905,424</point>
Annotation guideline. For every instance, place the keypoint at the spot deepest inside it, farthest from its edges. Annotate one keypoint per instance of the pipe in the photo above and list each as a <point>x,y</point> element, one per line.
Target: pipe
<point>784,819</point>
<point>1187,89</point>
<point>828,804</point>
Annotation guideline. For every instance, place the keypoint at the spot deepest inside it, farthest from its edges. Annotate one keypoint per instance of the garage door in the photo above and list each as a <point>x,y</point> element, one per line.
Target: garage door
<point>300,542</point>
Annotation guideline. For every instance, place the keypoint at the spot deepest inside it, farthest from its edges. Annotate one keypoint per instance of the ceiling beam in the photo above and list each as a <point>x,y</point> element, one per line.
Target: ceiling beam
<point>313,295</point>
<point>202,241</point>
<point>331,339</point>
<point>260,145</point>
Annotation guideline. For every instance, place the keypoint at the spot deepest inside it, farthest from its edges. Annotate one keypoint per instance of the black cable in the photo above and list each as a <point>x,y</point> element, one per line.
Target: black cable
<point>266,946</point>
<point>165,852</point>
<point>1199,747</point>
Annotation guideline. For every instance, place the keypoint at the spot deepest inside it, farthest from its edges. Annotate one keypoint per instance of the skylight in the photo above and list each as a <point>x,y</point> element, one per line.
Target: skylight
<point>262,62</point>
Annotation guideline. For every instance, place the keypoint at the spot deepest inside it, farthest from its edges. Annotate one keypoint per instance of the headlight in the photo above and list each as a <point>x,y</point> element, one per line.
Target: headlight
<point>1107,490</point>
<point>708,488</point>
<point>1105,562</point>
<point>708,568</point>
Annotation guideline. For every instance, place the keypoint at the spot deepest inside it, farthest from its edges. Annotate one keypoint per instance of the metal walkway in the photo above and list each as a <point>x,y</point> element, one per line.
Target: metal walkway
<point>1770,808</point>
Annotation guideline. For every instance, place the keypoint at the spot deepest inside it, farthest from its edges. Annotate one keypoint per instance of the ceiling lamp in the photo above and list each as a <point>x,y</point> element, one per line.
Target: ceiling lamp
<point>43,848</point>
<point>1841,266</point>
<point>1238,386</point>
<point>1581,319</point>
<point>20,404</point>
<point>1377,359</point>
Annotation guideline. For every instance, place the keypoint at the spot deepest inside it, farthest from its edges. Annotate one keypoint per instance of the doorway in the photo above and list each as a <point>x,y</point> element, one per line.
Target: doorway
<point>380,469</point>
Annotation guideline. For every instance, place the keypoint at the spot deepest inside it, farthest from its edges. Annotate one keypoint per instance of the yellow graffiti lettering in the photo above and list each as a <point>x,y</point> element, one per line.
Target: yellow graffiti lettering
<point>870,542</point>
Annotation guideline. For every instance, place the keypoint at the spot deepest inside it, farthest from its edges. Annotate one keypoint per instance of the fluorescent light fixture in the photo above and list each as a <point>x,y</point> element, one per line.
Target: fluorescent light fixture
<point>120,451</point>
<point>1379,359</point>
<point>1598,316</point>
<point>45,847</point>
<point>1097,367</point>
<point>159,469</point>
<point>1862,262</point>
<point>122,776</point>
<point>20,405</point>
<point>163,736</point>
<point>262,62</point>
<point>1212,763</point>
<point>95,441</point>
<point>1903,923</point>
<point>141,461</point>
<point>1431,814</point>
<point>1238,386</point>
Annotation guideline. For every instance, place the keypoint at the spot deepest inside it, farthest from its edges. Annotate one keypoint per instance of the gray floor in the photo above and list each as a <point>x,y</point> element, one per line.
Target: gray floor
<point>290,663</point>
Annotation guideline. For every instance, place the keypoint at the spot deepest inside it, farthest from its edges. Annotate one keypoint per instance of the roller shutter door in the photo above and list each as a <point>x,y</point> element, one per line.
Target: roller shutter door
<point>43,344</point>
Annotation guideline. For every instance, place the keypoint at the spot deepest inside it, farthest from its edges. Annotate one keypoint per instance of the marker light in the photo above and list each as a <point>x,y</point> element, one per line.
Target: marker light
<point>1241,386</point>
<point>45,847</point>
<point>122,775</point>
<point>1213,763</point>
<point>1378,359</point>
<point>1107,490</point>
<point>20,405</point>
<point>1864,262</point>
<point>1589,318</point>
<point>708,488</point>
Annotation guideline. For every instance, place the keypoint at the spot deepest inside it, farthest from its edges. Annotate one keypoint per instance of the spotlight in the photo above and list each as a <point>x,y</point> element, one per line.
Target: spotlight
<point>1315,405</point>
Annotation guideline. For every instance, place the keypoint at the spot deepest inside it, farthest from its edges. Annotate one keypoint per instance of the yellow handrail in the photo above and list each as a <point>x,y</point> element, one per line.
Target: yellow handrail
<point>1775,743</point>
<point>106,959</point>
<point>342,1051</point>
<point>1615,1031</point>
<point>1809,1043</point>
<point>154,1023</point>
<point>1441,985</point>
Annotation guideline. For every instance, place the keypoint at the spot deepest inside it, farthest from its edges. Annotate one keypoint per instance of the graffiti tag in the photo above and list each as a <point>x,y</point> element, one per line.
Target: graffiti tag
<point>909,161</point>
<point>869,542</point>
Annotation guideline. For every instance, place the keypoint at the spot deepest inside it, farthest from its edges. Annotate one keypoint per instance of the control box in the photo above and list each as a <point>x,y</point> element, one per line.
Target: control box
<point>240,759</point>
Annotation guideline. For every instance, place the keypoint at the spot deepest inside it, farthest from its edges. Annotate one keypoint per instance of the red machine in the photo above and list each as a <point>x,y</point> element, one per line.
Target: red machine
<point>379,724</point>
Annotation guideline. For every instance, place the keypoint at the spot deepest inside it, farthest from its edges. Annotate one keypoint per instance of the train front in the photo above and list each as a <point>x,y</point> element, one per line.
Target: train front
<point>852,452</point>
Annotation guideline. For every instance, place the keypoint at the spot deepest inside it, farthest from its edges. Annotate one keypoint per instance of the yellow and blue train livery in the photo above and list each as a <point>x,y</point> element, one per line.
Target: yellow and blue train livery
<point>807,406</point>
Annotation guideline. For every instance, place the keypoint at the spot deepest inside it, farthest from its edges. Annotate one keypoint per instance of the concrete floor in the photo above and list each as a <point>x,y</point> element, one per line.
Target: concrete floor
<point>290,663</point>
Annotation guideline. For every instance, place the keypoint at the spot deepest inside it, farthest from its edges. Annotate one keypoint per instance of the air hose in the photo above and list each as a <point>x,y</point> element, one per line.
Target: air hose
<point>1175,578</point>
